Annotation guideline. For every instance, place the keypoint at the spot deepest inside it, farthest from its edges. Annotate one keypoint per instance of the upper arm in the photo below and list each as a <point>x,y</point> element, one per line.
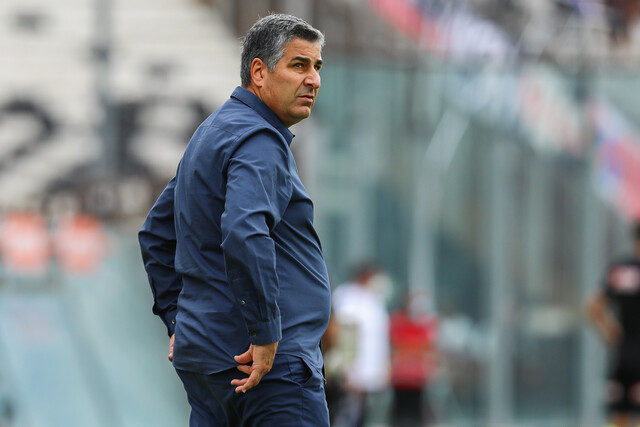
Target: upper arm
<point>258,187</point>
<point>157,236</point>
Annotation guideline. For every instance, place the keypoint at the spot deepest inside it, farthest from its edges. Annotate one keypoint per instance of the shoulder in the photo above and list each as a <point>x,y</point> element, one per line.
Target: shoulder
<point>342,290</point>
<point>232,126</point>
<point>346,295</point>
<point>236,118</point>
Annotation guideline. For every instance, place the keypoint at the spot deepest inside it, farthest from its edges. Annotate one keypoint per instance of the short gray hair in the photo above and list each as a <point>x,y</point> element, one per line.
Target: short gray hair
<point>267,38</point>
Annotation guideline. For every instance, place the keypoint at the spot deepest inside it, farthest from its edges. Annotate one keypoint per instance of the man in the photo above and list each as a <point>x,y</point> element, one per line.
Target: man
<point>363,351</point>
<point>615,312</point>
<point>233,260</point>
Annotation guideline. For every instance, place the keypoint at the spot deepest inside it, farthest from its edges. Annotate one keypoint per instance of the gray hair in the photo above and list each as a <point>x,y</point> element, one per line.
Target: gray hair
<point>267,38</point>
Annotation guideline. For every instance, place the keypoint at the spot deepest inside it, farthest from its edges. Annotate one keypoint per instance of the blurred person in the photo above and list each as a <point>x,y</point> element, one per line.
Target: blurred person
<point>364,364</point>
<point>413,361</point>
<point>233,259</point>
<point>615,313</point>
<point>331,352</point>
<point>621,16</point>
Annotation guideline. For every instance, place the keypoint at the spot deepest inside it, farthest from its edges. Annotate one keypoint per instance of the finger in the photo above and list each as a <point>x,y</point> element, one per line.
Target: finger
<point>244,358</point>
<point>252,381</point>
<point>239,381</point>
<point>245,369</point>
<point>171,342</point>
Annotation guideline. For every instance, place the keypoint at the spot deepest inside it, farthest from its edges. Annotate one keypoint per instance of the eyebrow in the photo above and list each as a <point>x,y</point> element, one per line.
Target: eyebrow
<point>306,60</point>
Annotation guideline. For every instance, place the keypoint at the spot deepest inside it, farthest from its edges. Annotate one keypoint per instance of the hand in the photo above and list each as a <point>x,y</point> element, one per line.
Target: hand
<point>171,341</point>
<point>262,357</point>
<point>612,332</point>
<point>604,320</point>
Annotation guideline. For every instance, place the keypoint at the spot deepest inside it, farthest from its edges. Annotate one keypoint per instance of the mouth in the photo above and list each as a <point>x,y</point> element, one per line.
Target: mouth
<point>308,98</point>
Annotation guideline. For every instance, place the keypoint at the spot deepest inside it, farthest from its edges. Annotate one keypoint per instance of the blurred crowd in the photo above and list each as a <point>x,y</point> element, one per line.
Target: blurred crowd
<point>379,364</point>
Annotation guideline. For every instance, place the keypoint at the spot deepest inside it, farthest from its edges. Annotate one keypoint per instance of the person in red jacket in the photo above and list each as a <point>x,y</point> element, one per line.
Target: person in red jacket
<point>413,334</point>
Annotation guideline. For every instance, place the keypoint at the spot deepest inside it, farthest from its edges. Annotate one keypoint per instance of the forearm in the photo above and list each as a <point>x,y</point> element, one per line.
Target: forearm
<point>604,322</point>
<point>250,266</point>
<point>157,240</point>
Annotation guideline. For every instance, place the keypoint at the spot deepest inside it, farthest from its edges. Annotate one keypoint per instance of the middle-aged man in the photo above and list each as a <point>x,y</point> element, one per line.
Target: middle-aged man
<point>233,260</point>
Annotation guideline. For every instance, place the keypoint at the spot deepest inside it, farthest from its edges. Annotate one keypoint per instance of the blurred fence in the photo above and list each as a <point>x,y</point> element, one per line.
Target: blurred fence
<point>497,191</point>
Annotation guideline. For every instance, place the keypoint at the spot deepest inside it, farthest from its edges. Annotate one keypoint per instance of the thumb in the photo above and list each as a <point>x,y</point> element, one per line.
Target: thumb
<point>245,357</point>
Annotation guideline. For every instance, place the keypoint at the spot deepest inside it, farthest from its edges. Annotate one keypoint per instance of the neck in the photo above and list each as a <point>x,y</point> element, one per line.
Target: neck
<point>254,90</point>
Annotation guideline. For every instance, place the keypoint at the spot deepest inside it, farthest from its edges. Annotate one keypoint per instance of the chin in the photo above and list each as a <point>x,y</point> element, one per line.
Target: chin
<point>304,113</point>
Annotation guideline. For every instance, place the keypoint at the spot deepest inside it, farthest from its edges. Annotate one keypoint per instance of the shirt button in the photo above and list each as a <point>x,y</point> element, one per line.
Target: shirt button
<point>242,302</point>
<point>253,334</point>
<point>173,322</point>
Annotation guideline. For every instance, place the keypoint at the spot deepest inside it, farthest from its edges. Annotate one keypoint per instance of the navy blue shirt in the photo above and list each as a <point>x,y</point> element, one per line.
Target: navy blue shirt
<point>229,246</point>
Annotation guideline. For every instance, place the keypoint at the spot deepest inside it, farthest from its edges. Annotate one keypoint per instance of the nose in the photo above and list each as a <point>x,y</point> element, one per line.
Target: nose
<point>313,79</point>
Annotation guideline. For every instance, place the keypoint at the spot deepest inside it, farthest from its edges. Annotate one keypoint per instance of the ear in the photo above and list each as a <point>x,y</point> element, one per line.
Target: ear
<point>258,69</point>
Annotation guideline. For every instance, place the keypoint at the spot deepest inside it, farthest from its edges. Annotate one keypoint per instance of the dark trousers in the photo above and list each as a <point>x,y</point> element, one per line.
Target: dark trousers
<point>410,408</point>
<point>291,394</point>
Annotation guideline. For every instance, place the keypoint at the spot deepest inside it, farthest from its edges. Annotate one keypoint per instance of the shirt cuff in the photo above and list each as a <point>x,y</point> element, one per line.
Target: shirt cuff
<point>262,333</point>
<point>169,320</point>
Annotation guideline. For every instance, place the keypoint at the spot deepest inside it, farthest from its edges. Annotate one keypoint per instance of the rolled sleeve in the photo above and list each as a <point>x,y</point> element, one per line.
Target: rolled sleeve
<point>258,192</point>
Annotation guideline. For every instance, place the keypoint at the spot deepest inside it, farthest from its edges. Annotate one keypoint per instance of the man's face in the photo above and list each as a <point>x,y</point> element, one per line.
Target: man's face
<point>291,90</point>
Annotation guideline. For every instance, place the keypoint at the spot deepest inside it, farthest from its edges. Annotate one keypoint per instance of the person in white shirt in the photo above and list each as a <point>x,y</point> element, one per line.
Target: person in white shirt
<point>360,311</point>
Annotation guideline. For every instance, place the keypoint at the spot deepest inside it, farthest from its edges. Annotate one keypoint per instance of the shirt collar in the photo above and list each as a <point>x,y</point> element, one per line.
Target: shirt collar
<point>252,101</point>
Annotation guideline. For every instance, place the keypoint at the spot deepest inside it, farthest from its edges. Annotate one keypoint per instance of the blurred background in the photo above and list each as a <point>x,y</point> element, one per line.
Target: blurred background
<point>483,152</point>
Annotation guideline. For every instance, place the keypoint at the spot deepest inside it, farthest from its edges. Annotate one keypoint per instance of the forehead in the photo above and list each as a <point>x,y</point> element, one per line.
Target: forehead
<point>300,47</point>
